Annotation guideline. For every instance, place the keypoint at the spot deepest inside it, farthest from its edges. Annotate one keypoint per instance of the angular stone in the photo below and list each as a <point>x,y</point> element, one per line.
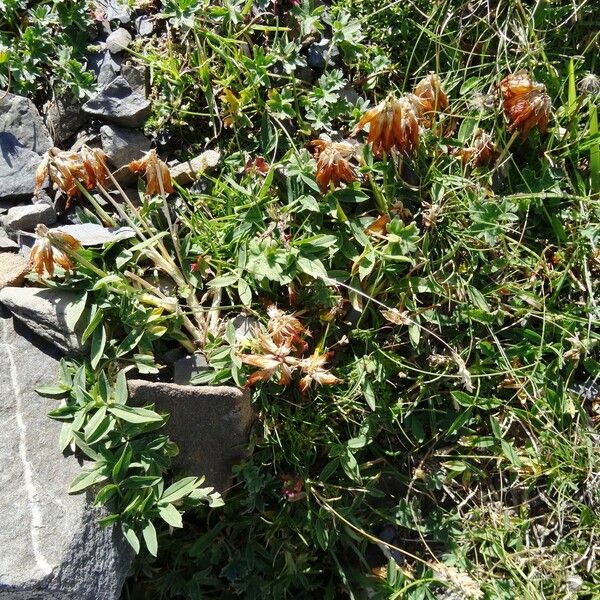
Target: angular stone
<point>6,244</point>
<point>105,66</point>
<point>321,54</point>
<point>20,117</point>
<point>28,216</point>
<point>137,77</point>
<point>187,171</point>
<point>187,367</point>
<point>210,424</point>
<point>115,9</point>
<point>44,311</point>
<point>119,103</point>
<point>17,168</point>
<point>144,25</point>
<point>51,547</point>
<point>118,40</point>
<point>63,118</point>
<point>123,145</point>
<point>13,269</point>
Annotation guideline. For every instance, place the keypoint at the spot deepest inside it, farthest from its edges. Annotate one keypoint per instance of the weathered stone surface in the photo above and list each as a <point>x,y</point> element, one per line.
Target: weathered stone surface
<point>28,216</point>
<point>245,327</point>
<point>123,145</point>
<point>105,66</point>
<point>115,9</point>
<point>17,168</point>
<point>119,103</point>
<point>51,547</point>
<point>209,424</point>
<point>321,54</point>
<point>6,244</point>
<point>118,40</point>
<point>186,172</point>
<point>13,269</point>
<point>19,116</point>
<point>144,25</point>
<point>137,77</point>
<point>63,118</point>
<point>44,312</point>
<point>185,368</point>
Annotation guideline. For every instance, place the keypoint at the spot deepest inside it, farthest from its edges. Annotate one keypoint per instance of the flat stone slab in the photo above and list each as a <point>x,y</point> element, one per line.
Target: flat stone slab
<point>51,547</point>
<point>13,268</point>
<point>19,116</point>
<point>210,424</point>
<point>44,311</point>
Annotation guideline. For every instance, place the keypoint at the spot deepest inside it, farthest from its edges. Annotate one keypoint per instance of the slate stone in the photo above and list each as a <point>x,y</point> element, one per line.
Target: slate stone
<point>210,424</point>
<point>118,40</point>
<point>6,244</point>
<point>27,217</point>
<point>51,547</point>
<point>105,66</point>
<point>63,118</point>
<point>350,95</point>
<point>186,172</point>
<point>20,117</point>
<point>144,25</point>
<point>115,10</point>
<point>119,103</point>
<point>13,269</point>
<point>44,312</point>
<point>187,367</point>
<point>321,54</point>
<point>18,165</point>
<point>137,77</point>
<point>305,74</point>
<point>123,145</point>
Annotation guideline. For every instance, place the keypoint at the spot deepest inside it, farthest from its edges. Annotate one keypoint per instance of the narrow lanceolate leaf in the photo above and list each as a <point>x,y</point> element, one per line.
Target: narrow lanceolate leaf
<point>594,152</point>
<point>86,479</point>
<point>98,344</point>
<point>131,537</point>
<point>169,514</point>
<point>135,415</point>
<point>120,390</point>
<point>149,533</point>
<point>74,311</point>
<point>178,490</point>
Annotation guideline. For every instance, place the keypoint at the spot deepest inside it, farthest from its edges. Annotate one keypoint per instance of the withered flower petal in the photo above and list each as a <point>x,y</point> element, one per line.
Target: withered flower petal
<point>44,254</point>
<point>481,153</point>
<point>314,369</point>
<point>333,166</point>
<point>156,172</point>
<point>526,103</point>
<point>393,124</point>
<point>430,97</point>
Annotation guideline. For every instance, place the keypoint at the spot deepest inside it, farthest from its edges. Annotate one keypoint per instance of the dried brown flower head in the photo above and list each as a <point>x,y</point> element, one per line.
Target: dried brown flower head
<point>526,103</point>
<point>271,359</point>
<point>44,254</point>
<point>393,124</point>
<point>481,153</point>
<point>314,369</point>
<point>431,98</point>
<point>156,172</point>
<point>285,328</point>
<point>94,163</point>
<point>333,164</point>
<point>589,85</point>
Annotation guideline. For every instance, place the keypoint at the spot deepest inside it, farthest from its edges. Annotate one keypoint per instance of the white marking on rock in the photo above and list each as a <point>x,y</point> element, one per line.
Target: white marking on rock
<point>32,495</point>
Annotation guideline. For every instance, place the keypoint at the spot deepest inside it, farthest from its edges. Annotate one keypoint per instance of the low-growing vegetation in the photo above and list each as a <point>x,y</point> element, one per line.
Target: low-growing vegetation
<point>411,225</point>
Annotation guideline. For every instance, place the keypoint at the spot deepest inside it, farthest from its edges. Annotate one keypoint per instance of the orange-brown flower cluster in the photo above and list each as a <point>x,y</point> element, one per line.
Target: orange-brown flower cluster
<point>45,254</point>
<point>66,168</point>
<point>526,103</point>
<point>394,123</point>
<point>333,164</point>
<point>431,98</point>
<point>278,354</point>
<point>481,153</point>
<point>156,172</point>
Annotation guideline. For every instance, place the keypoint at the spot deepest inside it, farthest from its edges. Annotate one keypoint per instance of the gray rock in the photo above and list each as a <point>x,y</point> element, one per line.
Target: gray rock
<point>28,216</point>
<point>144,25</point>
<point>13,269</point>
<point>118,40</point>
<point>105,66</point>
<point>63,118</point>
<point>245,327</point>
<point>6,244</point>
<point>119,103</point>
<point>17,169</point>
<point>115,10</point>
<point>350,95</point>
<point>187,367</point>
<point>209,424</point>
<point>137,77</point>
<point>51,547</point>
<point>305,74</point>
<point>123,145</point>
<point>20,117</point>
<point>321,54</point>
<point>187,171</point>
<point>44,311</point>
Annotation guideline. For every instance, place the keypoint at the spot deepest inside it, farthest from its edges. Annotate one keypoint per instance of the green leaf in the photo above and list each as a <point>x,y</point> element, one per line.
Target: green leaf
<point>52,391</point>
<point>87,479</point>
<point>149,533</point>
<point>98,344</point>
<point>131,537</point>
<point>178,490</point>
<point>134,415</point>
<point>96,318</point>
<point>170,515</point>
<point>245,292</point>
<point>224,281</point>
<point>313,267</point>
<point>120,390</point>
<point>74,310</point>
<point>510,453</point>
<point>98,426</point>
<point>594,152</point>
